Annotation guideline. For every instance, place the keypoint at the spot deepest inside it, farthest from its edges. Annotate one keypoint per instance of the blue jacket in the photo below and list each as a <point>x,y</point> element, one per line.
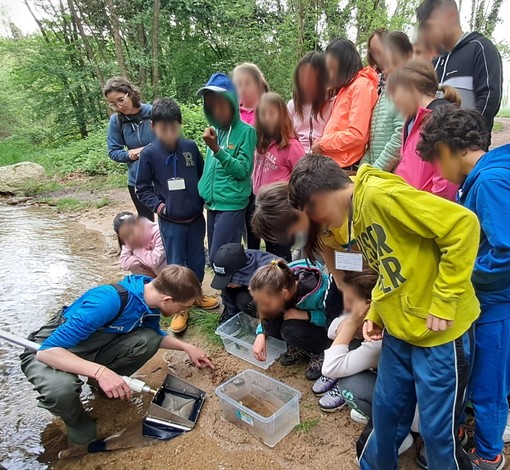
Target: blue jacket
<point>256,259</point>
<point>129,132</point>
<point>157,166</point>
<point>486,191</point>
<point>99,306</point>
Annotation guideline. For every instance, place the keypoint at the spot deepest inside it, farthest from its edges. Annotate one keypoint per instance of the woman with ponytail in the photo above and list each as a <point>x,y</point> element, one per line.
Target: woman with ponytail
<point>416,93</point>
<point>290,305</point>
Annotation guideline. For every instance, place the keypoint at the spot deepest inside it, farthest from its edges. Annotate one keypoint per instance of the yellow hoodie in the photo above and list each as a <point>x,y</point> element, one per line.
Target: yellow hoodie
<point>424,248</point>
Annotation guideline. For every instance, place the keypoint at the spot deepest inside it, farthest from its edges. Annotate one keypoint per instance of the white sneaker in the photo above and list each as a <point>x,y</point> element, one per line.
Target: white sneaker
<point>506,434</point>
<point>406,445</point>
<point>357,417</point>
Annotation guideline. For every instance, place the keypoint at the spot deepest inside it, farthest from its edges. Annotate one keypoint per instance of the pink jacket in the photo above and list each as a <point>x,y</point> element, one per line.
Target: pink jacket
<point>309,128</point>
<point>247,115</point>
<point>417,172</point>
<point>149,260</point>
<point>275,165</point>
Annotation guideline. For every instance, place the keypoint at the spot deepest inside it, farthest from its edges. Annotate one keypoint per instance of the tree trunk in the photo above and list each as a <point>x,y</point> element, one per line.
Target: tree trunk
<point>155,49</point>
<point>142,72</point>
<point>114,19</point>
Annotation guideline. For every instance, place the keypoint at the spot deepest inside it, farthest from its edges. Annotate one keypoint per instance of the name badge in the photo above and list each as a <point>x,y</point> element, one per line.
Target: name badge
<point>348,261</point>
<point>176,184</point>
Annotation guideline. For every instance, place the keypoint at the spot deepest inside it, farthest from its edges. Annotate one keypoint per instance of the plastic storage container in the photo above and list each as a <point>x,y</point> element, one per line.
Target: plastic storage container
<point>238,335</point>
<point>267,408</point>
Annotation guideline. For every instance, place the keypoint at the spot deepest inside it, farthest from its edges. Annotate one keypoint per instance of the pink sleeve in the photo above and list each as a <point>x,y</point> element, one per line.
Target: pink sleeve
<point>297,152</point>
<point>154,256</point>
<point>128,261</point>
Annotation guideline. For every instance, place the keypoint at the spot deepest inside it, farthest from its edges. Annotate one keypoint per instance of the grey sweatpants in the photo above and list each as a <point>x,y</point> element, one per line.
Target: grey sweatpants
<point>357,390</point>
<point>59,392</point>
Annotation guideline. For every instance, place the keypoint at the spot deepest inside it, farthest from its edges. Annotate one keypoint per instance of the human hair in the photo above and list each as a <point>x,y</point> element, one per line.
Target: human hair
<point>421,76</point>
<point>349,62</point>
<point>398,42</point>
<point>313,174</point>
<point>256,74</point>
<point>458,129</point>
<point>363,282</point>
<point>119,220</point>
<point>317,61</point>
<point>380,33</point>
<point>166,110</point>
<point>123,85</point>
<point>427,7</point>
<point>178,282</point>
<point>275,277</point>
<point>285,131</point>
<point>273,214</point>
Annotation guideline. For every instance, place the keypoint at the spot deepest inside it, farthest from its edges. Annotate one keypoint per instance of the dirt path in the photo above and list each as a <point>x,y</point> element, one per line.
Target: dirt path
<point>502,136</point>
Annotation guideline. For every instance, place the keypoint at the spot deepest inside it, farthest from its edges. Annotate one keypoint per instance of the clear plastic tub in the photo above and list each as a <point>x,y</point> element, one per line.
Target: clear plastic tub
<point>267,408</point>
<point>238,335</point>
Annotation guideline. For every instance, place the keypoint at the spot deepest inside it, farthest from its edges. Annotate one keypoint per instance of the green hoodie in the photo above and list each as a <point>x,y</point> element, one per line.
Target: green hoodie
<point>226,182</point>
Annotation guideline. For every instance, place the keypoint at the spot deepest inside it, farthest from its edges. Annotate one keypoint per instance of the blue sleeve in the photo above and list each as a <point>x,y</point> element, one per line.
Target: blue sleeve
<point>144,188</point>
<point>99,307</point>
<point>259,329</point>
<point>493,265</point>
<point>115,141</point>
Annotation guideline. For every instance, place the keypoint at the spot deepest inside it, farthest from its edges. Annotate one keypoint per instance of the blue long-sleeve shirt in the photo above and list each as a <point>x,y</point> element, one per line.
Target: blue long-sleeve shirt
<point>127,132</point>
<point>98,307</point>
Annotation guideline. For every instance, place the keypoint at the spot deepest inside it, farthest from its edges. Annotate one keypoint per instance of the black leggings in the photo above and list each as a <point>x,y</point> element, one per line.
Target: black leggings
<point>334,302</point>
<point>300,333</point>
<point>142,209</point>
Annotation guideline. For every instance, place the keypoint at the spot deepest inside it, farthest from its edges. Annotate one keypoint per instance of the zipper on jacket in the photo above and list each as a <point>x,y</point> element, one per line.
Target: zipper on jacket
<point>310,135</point>
<point>444,68</point>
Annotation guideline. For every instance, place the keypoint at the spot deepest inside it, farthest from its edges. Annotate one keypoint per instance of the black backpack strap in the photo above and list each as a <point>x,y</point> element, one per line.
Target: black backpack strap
<point>124,297</point>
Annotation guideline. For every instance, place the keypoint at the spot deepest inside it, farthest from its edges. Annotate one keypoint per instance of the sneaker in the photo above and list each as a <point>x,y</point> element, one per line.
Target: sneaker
<point>179,322</point>
<point>406,444</point>
<point>358,417</point>
<point>332,400</point>
<point>292,356</point>
<point>463,436</point>
<point>322,385</point>
<point>208,302</point>
<point>481,464</point>
<point>314,367</point>
<point>506,434</point>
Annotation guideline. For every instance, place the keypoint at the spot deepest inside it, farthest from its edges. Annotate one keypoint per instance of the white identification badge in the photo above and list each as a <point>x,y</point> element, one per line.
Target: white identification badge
<point>176,184</point>
<point>348,261</point>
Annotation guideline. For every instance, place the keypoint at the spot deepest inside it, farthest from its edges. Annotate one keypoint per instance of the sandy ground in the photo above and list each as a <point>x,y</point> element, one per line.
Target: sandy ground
<point>214,443</point>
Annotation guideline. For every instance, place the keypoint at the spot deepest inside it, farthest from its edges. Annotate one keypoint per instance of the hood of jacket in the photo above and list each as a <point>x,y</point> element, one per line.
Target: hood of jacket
<point>255,260</point>
<point>466,40</point>
<point>221,84</point>
<point>370,74</point>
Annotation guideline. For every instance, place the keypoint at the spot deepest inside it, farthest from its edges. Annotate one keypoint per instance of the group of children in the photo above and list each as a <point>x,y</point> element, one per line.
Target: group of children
<point>394,328</point>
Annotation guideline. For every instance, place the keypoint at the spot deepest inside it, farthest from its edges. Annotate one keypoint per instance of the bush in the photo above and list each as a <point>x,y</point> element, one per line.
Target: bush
<point>194,123</point>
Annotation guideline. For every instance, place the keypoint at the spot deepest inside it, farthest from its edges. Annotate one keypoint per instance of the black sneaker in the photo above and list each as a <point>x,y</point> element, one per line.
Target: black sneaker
<point>314,370</point>
<point>292,356</point>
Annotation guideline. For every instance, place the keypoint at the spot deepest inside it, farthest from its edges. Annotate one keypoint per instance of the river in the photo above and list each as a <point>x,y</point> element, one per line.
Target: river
<point>46,262</point>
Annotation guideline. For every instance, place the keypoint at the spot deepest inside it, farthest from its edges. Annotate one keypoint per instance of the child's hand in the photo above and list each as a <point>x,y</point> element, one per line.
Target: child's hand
<point>359,311</point>
<point>316,146</point>
<point>259,348</point>
<point>211,139</point>
<point>438,324</point>
<point>372,331</point>
<point>295,314</point>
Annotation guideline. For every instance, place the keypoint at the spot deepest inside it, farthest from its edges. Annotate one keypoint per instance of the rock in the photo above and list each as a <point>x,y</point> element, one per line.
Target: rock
<point>14,177</point>
<point>14,201</point>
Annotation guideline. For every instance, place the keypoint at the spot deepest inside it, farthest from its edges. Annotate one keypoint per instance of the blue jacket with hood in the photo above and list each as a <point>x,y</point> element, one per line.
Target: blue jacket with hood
<point>129,132</point>
<point>98,307</point>
<point>486,191</point>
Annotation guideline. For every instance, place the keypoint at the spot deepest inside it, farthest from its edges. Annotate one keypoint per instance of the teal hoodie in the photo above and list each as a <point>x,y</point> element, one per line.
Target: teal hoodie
<point>226,182</point>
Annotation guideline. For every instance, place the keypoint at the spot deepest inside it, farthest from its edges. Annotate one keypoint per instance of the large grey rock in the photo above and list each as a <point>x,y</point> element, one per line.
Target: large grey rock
<point>15,177</point>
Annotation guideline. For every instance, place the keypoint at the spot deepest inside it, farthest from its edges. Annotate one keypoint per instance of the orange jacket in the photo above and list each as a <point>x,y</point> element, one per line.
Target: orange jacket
<point>347,132</point>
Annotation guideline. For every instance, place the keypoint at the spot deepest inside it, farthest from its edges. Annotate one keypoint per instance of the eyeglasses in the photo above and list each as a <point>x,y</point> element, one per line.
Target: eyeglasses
<point>118,102</point>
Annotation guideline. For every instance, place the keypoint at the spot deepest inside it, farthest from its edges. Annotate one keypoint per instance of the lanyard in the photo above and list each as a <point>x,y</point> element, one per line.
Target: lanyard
<point>174,161</point>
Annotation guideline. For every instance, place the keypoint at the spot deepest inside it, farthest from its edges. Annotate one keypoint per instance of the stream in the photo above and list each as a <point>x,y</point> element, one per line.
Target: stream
<point>46,261</point>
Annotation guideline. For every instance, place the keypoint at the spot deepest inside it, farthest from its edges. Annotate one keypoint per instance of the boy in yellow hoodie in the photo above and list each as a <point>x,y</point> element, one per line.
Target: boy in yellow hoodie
<point>423,248</point>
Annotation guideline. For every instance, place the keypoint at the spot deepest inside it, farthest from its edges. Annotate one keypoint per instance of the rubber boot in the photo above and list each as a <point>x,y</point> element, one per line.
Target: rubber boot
<point>81,428</point>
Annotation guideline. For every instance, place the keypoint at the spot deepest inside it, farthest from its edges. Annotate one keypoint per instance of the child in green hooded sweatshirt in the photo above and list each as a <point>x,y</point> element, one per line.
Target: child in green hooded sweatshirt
<point>225,185</point>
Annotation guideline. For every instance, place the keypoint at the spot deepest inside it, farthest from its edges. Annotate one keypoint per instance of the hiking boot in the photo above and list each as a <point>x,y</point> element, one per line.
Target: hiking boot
<point>481,464</point>
<point>208,302</point>
<point>407,443</point>
<point>81,429</point>
<point>314,367</point>
<point>322,385</point>
<point>332,400</point>
<point>358,417</point>
<point>179,322</point>
<point>292,356</point>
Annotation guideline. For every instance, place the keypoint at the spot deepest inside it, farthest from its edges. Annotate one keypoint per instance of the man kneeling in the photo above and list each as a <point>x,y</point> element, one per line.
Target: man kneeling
<point>110,331</point>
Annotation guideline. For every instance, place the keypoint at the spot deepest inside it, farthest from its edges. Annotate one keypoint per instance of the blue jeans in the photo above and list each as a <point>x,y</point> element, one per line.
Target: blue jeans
<point>184,244</point>
<point>490,385</point>
<point>436,378</point>
<point>224,227</point>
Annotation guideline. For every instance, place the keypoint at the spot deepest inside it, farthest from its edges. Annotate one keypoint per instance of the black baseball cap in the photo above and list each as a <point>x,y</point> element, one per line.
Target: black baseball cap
<point>229,259</point>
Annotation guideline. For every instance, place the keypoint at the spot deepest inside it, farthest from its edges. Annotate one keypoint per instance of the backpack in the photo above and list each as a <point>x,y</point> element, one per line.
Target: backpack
<point>124,298</point>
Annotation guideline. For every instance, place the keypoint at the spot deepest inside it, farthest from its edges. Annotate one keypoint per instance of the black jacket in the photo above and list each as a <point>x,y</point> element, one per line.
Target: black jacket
<point>474,68</point>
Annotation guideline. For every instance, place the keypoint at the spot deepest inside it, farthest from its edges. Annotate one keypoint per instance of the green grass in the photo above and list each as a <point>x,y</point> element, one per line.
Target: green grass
<point>306,426</point>
<point>504,113</point>
<point>498,127</point>
<point>201,322</point>
<point>72,204</point>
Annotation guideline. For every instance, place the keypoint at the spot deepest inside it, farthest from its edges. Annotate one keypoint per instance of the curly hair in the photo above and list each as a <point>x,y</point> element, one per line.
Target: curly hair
<point>123,85</point>
<point>459,129</point>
